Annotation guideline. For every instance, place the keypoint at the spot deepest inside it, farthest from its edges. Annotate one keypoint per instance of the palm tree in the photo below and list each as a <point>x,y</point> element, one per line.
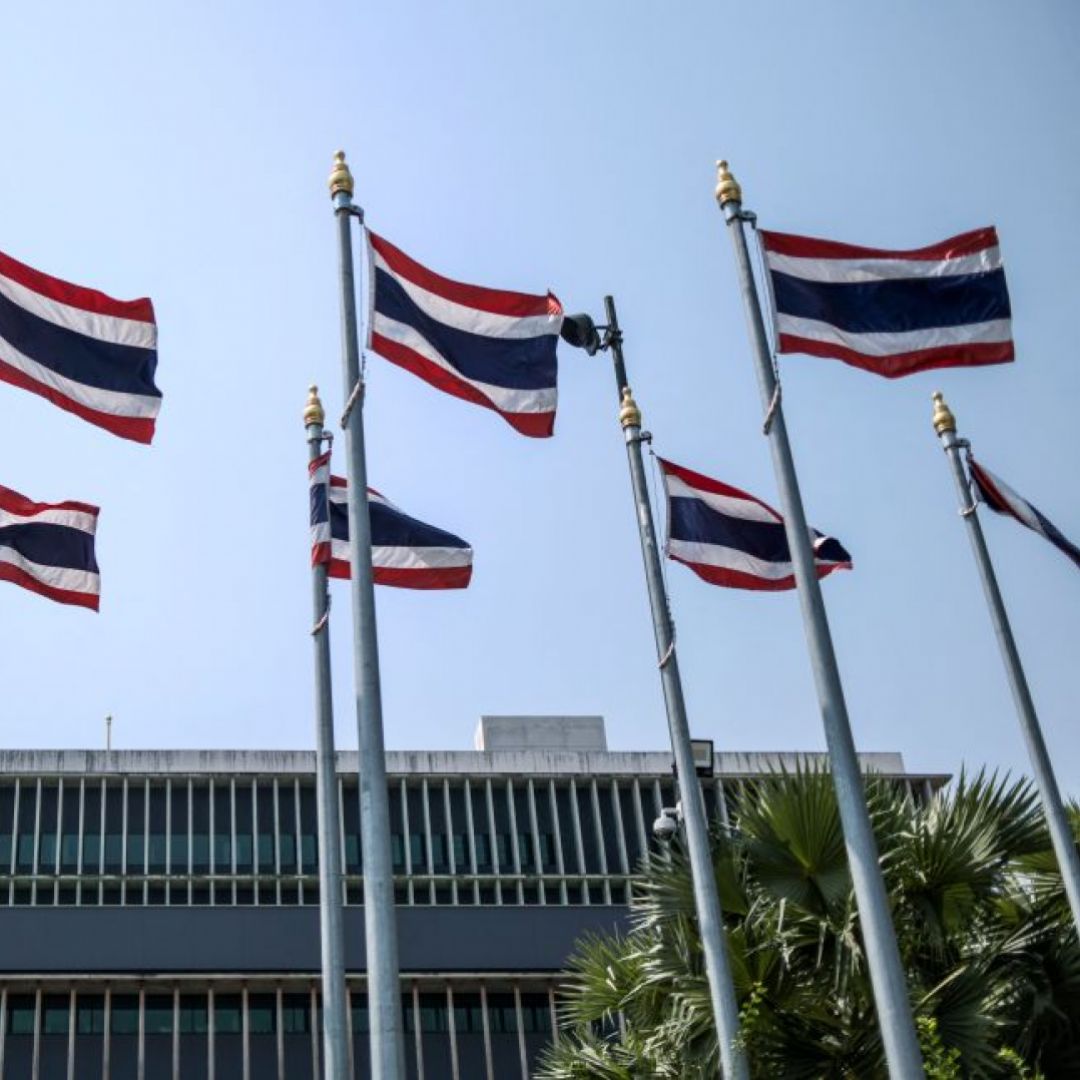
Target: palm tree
<point>992,960</point>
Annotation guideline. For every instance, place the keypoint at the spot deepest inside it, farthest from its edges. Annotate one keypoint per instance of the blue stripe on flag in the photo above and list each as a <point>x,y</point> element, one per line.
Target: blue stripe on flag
<point>103,365</point>
<point>695,522</point>
<point>51,545</point>
<point>512,363</point>
<point>895,305</point>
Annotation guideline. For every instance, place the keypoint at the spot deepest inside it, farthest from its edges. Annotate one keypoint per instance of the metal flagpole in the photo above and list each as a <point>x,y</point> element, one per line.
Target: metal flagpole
<point>706,897</point>
<point>384,995</point>
<point>883,957</point>
<point>1058,823</point>
<point>331,930</point>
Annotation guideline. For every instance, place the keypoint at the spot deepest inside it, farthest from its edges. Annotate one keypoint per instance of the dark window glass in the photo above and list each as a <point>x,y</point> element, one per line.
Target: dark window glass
<point>158,1027</point>
<point>194,1025</point>
<point>526,849</point>
<point>222,828</point>
<point>200,828</point>
<point>296,1035</point>
<point>24,862</point>
<point>350,815</point>
<point>89,1033</point>
<point>124,1037</point>
<point>435,1034</point>
<point>55,1023</point>
<point>265,806</point>
<point>287,827</point>
<point>397,830</point>
<point>159,1014</point>
<point>227,1019</point>
<point>228,1034</point>
<point>503,843</point>
<point>21,1013</point>
<point>92,830</point>
<point>136,834</point>
<point>440,829</point>
<point>546,826</point>
<point>114,828</point>
<point>502,1023</point>
<point>194,1015</point>
<point>481,837</point>
<point>7,824</point>
<point>156,840</point>
<point>417,843</point>
<point>262,1028</point>
<point>309,852</point>
<point>69,829</point>
<point>631,825</point>
<point>469,1033</point>
<point>459,827</point>
<point>536,1023</point>
<point>178,828</point>
<point>48,829</point>
<point>90,1014</point>
<point>245,840</point>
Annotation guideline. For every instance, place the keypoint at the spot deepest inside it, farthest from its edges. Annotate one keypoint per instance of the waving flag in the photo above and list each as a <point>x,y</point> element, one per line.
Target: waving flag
<point>891,312</point>
<point>1001,498</point>
<point>488,346</point>
<point>85,352</point>
<point>404,552</point>
<point>729,538</point>
<point>48,548</point>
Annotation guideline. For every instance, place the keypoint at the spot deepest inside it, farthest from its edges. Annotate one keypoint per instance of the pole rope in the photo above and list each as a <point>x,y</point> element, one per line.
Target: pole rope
<point>324,618</point>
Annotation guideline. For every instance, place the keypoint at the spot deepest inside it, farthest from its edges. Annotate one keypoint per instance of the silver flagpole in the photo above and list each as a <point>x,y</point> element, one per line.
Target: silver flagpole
<point>384,994</point>
<point>706,896</point>
<point>1058,823</point>
<point>331,930</point>
<point>901,1043</point>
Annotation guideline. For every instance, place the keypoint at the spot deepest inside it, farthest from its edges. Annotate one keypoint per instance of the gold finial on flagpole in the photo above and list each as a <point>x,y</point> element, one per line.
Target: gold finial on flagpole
<point>340,177</point>
<point>727,187</point>
<point>313,410</point>
<point>629,413</point>
<point>943,417</point>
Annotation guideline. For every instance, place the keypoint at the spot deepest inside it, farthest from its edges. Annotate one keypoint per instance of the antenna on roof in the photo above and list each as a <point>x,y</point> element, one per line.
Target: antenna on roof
<point>108,732</point>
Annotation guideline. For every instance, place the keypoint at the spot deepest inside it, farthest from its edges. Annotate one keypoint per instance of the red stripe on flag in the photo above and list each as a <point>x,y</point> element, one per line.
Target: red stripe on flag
<point>14,503</point>
<point>897,365</point>
<point>737,579</point>
<point>496,301</point>
<point>810,247</point>
<point>137,428</point>
<point>716,487</point>
<point>141,310</point>
<point>450,577</point>
<point>535,425</point>
<point>17,576</point>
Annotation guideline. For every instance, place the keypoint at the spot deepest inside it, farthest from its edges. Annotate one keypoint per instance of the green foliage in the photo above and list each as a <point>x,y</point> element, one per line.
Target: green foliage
<point>992,961</point>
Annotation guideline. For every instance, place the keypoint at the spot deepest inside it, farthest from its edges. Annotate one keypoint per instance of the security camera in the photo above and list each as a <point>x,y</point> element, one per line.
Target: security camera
<point>666,825</point>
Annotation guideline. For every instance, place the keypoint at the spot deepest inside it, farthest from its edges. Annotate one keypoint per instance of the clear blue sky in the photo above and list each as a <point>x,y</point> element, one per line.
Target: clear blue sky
<point>181,150</point>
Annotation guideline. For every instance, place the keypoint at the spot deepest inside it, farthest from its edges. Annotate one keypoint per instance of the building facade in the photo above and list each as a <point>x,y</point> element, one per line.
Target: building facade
<point>159,909</point>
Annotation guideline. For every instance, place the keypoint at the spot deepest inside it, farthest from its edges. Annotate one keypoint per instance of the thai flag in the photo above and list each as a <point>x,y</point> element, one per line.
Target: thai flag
<point>729,538</point>
<point>404,552</point>
<point>80,349</point>
<point>1001,498</point>
<point>48,548</point>
<point>891,312</point>
<point>488,346</point>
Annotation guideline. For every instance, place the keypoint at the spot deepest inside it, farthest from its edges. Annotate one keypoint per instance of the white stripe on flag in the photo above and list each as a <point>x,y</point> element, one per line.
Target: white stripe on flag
<point>504,399</point>
<point>889,344</point>
<point>110,402</point>
<point>420,558</point>
<point>728,505</point>
<point>111,328</point>
<point>470,319</point>
<point>73,519</point>
<point>320,532</point>
<point>58,577</point>
<point>851,271</point>
<point>1017,504</point>
<point>729,559</point>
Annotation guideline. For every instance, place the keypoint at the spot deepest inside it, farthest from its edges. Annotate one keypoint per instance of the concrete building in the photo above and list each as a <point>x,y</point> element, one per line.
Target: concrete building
<point>159,918</point>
